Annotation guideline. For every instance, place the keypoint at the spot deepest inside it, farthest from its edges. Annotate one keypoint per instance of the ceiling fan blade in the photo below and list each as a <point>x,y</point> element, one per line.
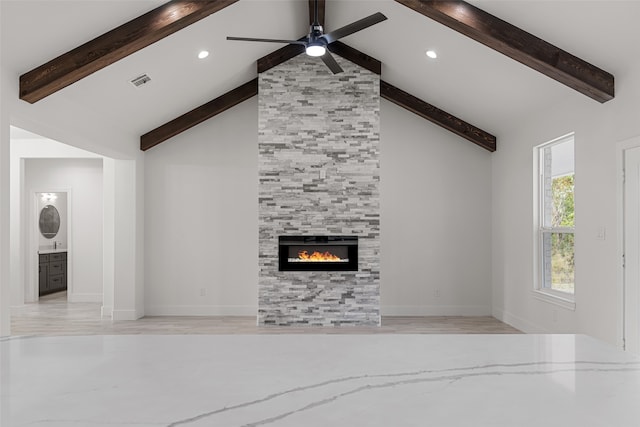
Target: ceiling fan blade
<point>354,27</point>
<point>330,62</point>
<point>249,39</point>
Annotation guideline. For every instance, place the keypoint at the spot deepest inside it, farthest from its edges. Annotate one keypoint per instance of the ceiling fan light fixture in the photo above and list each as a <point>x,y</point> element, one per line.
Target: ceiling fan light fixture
<point>316,41</point>
<point>316,49</point>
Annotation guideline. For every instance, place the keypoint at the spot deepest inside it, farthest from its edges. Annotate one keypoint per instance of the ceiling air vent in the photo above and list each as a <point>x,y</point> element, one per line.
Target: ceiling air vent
<point>141,80</point>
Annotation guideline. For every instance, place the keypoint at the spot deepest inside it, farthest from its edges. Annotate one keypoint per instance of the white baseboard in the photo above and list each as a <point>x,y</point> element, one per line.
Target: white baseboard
<point>80,297</point>
<point>201,310</point>
<point>246,310</point>
<point>125,315</point>
<point>436,310</point>
<point>518,322</point>
<point>106,312</point>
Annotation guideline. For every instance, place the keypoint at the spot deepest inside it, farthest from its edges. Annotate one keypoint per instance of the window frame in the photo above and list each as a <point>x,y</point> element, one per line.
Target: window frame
<point>547,294</point>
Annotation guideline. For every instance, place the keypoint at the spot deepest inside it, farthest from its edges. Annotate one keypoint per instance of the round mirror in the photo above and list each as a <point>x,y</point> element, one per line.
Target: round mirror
<point>49,221</point>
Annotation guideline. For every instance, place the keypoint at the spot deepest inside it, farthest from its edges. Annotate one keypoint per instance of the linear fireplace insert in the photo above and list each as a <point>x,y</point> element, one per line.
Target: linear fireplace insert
<point>318,253</point>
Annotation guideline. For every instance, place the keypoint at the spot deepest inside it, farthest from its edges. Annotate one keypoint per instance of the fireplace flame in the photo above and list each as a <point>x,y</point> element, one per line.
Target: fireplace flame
<point>317,256</point>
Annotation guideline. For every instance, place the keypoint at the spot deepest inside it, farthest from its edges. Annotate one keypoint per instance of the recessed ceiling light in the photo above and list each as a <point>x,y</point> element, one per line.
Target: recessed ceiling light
<point>203,54</point>
<point>432,54</point>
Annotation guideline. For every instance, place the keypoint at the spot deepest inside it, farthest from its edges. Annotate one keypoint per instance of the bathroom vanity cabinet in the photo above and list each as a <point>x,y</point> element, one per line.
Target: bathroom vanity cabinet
<point>52,273</point>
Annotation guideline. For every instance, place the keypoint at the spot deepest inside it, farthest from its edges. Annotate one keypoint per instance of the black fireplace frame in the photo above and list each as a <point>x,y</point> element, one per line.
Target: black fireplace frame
<point>284,242</point>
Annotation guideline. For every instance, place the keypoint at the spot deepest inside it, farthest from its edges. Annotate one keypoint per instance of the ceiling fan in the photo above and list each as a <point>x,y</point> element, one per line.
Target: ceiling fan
<point>316,42</point>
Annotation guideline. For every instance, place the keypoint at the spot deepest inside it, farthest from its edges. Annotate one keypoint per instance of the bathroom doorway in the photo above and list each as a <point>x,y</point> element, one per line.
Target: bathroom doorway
<point>51,227</point>
<point>46,172</point>
<point>81,180</point>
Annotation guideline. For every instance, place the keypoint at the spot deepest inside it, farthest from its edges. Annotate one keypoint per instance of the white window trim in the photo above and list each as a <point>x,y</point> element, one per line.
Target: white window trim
<point>561,299</point>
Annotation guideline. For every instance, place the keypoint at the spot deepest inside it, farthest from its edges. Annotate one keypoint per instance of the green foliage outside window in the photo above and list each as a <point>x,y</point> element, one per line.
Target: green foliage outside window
<point>562,244</point>
<point>563,206</point>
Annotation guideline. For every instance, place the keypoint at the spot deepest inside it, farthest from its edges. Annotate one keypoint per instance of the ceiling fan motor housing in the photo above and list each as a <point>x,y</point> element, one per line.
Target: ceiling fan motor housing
<point>315,32</point>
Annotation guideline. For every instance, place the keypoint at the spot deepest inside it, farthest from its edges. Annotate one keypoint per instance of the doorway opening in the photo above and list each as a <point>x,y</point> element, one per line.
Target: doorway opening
<point>56,222</point>
<point>629,244</point>
<point>52,226</point>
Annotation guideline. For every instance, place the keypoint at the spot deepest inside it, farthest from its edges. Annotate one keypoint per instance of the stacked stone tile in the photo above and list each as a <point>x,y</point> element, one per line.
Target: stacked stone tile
<point>319,174</point>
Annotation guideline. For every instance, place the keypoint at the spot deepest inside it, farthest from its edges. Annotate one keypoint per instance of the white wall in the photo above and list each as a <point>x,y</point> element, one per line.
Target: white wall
<point>597,129</point>
<point>108,236</point>
<point>4,210</point>
<point>201,213</point>
<point>201,222</point>
<point>436,219</point>
<point>83,179</point>
<point>128,299</point>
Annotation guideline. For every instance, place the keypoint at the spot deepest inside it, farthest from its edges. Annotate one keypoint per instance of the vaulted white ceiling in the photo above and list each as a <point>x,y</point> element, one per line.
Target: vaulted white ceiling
<point>469,80</point>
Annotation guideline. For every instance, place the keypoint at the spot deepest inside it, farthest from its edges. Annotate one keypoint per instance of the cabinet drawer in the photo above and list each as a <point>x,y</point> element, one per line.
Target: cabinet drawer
<point>56,282</point>
<point>58,257</point>
<point>43,258</point>
<point>56,267</point>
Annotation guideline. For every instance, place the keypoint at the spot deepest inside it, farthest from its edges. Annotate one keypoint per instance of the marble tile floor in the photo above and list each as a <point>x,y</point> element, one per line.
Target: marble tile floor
<point>54,316</point>
<point>317,380</point>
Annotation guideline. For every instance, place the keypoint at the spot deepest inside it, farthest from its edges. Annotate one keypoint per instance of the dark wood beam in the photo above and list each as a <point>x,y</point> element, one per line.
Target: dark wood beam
<point>355,56</point>
<point>519,45</point>
<point>199,115</point>
<point>114,45</point>
<point>279,56</point>
<point>438,116</point>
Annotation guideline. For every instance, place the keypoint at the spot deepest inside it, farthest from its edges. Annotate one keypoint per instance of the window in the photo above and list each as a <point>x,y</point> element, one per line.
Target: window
<point>556,218</point>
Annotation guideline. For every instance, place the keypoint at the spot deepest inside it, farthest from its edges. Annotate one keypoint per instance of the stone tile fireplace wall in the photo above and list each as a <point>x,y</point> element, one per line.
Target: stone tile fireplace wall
<point>319,174</point>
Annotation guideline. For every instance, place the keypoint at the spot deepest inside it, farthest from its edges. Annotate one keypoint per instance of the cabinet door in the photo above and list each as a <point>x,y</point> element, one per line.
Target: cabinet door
<point>43,278</point>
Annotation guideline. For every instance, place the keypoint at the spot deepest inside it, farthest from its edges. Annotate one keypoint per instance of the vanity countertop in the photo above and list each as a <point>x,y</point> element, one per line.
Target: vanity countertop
<point>51,251</point>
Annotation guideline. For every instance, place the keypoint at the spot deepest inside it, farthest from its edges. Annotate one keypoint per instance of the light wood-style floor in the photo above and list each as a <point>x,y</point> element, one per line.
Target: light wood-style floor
<point>54,316</point>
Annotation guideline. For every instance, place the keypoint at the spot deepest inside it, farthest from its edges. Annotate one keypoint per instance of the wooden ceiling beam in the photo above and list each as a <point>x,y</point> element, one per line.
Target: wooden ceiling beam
<point>199,115</point>
<point>355,56</point>
<point>519,45</point>
<point>438,116</point>
<point>279,56</point>
<point>114,45</point>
